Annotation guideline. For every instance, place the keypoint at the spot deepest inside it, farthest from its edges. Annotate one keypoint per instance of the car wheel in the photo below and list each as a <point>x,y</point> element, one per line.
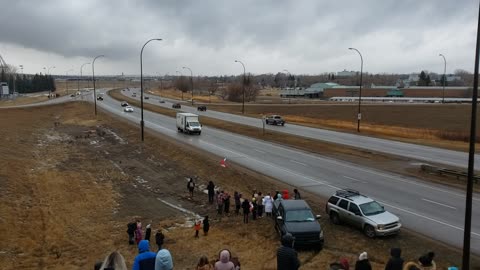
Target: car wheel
<point>334,218</point>
<point>283,124</point>
<point>369,231</point>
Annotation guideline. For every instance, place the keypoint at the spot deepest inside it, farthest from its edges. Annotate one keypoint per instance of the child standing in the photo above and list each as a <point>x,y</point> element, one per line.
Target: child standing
<point>197,227</point>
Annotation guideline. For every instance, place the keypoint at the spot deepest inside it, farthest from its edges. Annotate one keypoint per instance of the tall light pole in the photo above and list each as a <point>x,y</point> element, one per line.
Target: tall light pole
<point>471,160</point>
<point>244,81</point>
<point>444,76</point>
<point>176,71</point>
<point>44,68</point>
<point>93,78</point>
<point>359,115</point>
<point>191,80</point>
<point>142,124</point>
<point>66,80</point>
<point>81,75</point>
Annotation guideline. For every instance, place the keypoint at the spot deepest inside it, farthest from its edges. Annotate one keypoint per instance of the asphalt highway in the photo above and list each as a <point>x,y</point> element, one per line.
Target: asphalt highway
<point>433,210</point>
<point>413,151</point>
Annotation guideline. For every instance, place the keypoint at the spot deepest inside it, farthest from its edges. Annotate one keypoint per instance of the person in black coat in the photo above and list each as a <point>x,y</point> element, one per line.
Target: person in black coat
<point>131,232</point>
<point>246,210</point>
<point>287,257</point>
<point>363,263</point>
<point>395,262</point>
<point>206,225</point>
<point>211,191</point>
<point>148,232</point>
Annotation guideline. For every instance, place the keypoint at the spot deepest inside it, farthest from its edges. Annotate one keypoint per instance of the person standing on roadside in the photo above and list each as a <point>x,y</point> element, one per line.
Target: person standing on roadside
<point>138,232</point>
<point>220,198</point>
<point>260,205</point>
<point>159,237</point>
<point>236,197</point>
<point>253,208</point>
<point>206,226</point>
<point>297,194</point>
<point>145,259</point>
<point>148,232</point>
<point>226,203</point>
<point>131,227</point>
<point>211,191</point>
<point>287,257</point>
<point>246,210</point>
<point>268,203</point>
<point>191,187</point>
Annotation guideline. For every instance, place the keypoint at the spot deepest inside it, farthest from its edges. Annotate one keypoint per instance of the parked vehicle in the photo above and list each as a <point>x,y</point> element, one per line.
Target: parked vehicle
<point>350,207</point>
<point>274,120</point>
<point>296,217</point>
<point>128,109</point>
<point>176,105</point>
<point>202,108</point>
<point>188,123</point>
<point>124,104</point>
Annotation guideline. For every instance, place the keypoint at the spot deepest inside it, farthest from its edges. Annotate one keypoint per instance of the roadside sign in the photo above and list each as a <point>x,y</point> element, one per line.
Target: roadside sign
<point>359,116</point>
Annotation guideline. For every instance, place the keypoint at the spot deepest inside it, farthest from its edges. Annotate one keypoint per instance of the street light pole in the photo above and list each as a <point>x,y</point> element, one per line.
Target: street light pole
<point>471,160</point>
<point>288,77</point>
<point>359,115</point>
<point>52,67</point>
<point>244,80</point>
<point>444,76</point>
<point>191,80</point>
<point>81,74</point>
<point>93,78</point>
<point>142,124</point>
<point>176,71</point>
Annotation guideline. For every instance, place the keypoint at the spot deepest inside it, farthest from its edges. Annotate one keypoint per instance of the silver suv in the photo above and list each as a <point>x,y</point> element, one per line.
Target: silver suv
<point>350,207</point>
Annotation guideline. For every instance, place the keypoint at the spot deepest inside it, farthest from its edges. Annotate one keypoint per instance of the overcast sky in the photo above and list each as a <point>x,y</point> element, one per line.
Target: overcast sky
<point>268,36</point>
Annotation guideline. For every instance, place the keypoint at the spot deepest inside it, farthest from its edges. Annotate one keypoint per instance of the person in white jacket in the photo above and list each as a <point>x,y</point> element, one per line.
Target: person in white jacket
<point>268,204</point>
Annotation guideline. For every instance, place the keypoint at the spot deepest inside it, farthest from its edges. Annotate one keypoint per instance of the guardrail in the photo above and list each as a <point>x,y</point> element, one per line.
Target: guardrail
<point>448,172</point>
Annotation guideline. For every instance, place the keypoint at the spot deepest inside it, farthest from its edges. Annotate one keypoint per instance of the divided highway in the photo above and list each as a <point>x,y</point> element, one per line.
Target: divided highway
<point>433,210</point>
<point>414,151</point>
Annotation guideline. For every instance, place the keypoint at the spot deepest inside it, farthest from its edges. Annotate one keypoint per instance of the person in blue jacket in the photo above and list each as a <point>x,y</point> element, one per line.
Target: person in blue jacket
<point>145,259</point>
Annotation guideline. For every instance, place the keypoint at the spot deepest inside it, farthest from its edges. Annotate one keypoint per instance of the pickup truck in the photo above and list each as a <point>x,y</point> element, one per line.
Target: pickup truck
<point>188,123</point>
<point>296,217</point>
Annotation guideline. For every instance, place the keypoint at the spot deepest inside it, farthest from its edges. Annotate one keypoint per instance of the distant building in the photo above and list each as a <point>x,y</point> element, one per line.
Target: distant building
<point>316,90</point>
<point>346,73</point>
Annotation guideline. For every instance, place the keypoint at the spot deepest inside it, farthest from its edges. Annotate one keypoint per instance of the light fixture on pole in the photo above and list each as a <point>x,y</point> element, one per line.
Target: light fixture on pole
<point>52,67</point>
<point>359,115</point>
<point>142,124</point>
<point>444,76</point>
<point>244,81</point>
<point>191,80</point>
<point>93,78</point>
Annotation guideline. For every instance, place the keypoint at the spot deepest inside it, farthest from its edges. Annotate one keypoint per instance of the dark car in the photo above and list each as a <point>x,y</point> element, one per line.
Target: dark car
<point>146,97</point>
<point>100,98</point>
<point>202,108</point>
<point>296,217</point>
<point>176,105</point>
<point>124,104</point>
<point>274,120</point>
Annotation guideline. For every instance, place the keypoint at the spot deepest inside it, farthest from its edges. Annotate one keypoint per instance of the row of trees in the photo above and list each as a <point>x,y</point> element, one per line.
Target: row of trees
<point>28,83</point>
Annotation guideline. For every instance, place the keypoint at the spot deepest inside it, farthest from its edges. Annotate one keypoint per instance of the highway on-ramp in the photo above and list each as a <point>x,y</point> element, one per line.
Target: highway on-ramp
<point>413,151</point>
<point>431,209</point>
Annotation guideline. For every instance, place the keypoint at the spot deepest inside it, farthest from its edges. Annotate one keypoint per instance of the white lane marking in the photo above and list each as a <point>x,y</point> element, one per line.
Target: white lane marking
<point>259,151</point>
<point>354,179</point>
<point>298,162</point>
<point>425,217</point>
<point>320,182</point>
<point>434,202</point>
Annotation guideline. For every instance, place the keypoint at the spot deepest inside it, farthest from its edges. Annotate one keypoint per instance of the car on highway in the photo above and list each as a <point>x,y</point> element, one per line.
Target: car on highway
<point>161,101</point>
<point>350,207</point>
<point>202,108</point>
<point>274,120</point>
<point>296,217</point>
<point>100,98</point>
<point>72,95</point>
<point>128,109</point>
<point>124,104</point>
<point>176,106</point>
<point>146,97</point>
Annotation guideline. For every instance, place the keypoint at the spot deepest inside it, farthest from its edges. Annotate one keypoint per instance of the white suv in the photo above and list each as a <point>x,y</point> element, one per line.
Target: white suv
<point>350,207</point>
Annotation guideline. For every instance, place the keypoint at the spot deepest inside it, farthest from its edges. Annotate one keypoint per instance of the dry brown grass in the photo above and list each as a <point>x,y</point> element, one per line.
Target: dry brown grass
<point>64,206</point>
